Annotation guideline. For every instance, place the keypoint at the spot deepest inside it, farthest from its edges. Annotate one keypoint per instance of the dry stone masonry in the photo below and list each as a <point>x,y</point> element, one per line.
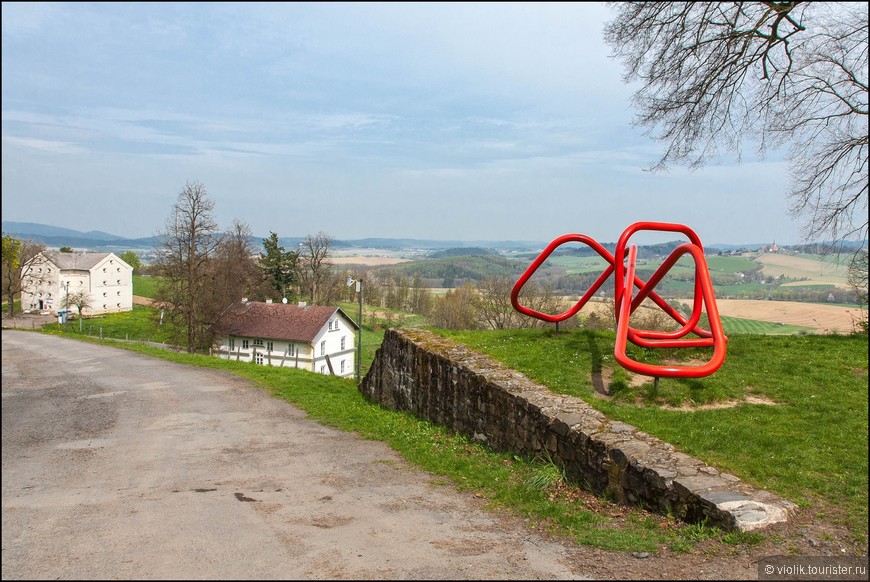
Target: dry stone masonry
<point>472,394</point>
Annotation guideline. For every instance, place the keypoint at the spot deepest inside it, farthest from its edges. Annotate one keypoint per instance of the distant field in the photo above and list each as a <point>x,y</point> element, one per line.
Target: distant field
<point>820,318</point>
<point>368,260</point>
<point>816,269</point>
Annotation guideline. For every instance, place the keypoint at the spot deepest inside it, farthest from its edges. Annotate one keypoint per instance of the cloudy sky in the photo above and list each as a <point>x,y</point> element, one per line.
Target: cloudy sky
<point>449,121</point>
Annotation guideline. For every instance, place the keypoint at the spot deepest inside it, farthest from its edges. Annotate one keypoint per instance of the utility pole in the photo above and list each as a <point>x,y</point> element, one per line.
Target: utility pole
<point>351,281</point>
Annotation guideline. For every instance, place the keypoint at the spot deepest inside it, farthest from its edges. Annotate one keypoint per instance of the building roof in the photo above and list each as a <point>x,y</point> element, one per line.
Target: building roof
<point>279,321</point>
<point>76,261</point>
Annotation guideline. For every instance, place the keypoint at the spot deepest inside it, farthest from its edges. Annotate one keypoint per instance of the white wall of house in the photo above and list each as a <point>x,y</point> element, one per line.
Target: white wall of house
<point>111,286</point>
<point>40,286</point>
<point>336,340</point>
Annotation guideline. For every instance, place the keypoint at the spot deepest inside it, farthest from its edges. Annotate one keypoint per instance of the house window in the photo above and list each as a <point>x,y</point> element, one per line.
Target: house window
<point>342,342</point>
<point>291,349</point>
<point>232,343</point>
<point>258,342</point>
<point>323,348</point>
<point>342,367</point>
<point>323,370</point>
<point>270,346</point>
<point>244,344</point>
<point>259,358</point>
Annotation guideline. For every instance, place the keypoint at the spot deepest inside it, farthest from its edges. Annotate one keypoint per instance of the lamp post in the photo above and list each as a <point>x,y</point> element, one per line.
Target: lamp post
<point>351,281</point>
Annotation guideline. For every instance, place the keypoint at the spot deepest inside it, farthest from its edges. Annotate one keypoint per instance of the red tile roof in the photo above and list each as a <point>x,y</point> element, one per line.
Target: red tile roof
<point>276,320</point>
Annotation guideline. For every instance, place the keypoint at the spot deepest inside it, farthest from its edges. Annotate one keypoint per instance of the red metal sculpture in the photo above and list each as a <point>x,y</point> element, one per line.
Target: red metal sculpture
<point>622,266</point>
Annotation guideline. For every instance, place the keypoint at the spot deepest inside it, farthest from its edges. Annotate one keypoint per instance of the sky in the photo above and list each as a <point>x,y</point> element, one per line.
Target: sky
<point>444,121</point>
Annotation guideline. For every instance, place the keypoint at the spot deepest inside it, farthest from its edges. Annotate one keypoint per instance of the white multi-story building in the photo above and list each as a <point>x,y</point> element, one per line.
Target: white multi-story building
<point>51,277</point>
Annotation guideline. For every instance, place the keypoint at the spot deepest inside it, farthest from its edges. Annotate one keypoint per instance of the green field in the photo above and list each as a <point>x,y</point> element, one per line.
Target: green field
<point>144,285</point>
<point>739,326</point>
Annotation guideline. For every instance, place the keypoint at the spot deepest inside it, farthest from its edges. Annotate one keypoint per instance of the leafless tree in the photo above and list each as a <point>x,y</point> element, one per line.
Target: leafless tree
<point>187,245</point>
<point>497,311</point>
<point>17,265</point>
<point>234,272</point>
<point>314,264</point>
<point>857,281</point>
<point>81,300</point>
<point>419,298</point>
<point>784,73</point>
<point>457,309</point>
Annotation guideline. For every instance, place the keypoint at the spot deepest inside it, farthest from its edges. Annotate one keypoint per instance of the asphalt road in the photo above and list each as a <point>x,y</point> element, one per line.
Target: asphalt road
<point>117,465</point>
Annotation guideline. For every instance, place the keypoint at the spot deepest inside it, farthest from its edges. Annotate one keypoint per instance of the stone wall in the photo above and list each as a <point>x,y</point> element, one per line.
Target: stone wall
<point>449,384</point>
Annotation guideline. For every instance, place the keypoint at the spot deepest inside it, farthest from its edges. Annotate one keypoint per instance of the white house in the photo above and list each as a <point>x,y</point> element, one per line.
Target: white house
<point>315,338</point>
<point>51,276</point>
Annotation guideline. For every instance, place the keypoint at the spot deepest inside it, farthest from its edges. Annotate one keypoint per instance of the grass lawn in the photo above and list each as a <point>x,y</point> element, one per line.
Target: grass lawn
<point>809,445</point>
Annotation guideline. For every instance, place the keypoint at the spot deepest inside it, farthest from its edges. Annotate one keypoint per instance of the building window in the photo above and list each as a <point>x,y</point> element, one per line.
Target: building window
<point>259,358</point>
<point>323,370</point>
<point>323,348</point>
<point>291,349</point>
<point>270,346</point>
<point>232,343</point>
<point>342,367</point>
<point>258,342</point>
<point>342,342</point>
<point>244,344</point>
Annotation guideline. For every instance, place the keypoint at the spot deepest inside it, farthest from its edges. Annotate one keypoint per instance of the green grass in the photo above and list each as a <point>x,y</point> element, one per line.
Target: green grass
<point>737,325</point>
<point>810,446</point>
<point>141,324</point>
<point>145,286</point>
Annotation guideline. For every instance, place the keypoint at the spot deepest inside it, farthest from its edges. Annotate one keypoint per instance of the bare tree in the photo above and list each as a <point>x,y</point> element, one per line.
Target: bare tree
<point>314,264</point>
<point>80,300</point>
<point>497,312</point>
<point>457,309</point>
<point>715,73</point>
<point>234,273</point>
<point>857,281</point>
<point>17,265</point>
<point>420,298</point>
<point>187,244</point>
